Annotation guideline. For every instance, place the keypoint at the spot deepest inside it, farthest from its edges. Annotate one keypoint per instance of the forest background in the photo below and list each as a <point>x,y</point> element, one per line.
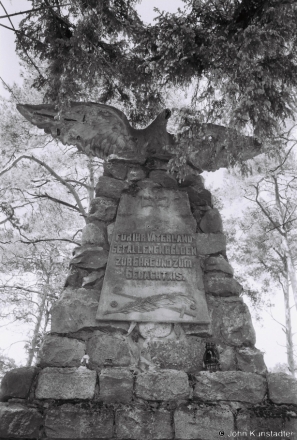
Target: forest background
<point>34,208</point>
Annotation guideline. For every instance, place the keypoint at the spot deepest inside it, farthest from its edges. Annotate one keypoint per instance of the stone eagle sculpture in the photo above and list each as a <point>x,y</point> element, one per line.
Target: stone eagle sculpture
<point>101,130</point>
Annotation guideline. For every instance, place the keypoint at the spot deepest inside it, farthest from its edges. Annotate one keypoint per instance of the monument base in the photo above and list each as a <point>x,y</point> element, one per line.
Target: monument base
<point>130,379</point>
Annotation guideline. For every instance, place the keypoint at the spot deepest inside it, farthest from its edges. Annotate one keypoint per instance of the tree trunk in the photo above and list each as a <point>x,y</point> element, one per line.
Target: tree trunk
<point>285,241</point>
<point>289,336</point>
<point>33,344</point>
<point>91,191</point>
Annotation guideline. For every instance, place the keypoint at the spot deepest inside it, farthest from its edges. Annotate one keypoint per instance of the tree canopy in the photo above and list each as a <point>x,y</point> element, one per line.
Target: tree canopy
<point>239,55</point>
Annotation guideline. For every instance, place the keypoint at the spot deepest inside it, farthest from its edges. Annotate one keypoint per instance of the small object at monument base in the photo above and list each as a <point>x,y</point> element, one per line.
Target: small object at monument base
<point>153,272</point>
<point>211,358</point>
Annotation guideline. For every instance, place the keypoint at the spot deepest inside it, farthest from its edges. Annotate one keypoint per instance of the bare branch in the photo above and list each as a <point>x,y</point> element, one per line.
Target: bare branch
<point>53,173</point>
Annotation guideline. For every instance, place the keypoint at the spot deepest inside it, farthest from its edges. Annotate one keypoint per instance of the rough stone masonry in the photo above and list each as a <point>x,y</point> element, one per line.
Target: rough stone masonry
<point>124,358</point>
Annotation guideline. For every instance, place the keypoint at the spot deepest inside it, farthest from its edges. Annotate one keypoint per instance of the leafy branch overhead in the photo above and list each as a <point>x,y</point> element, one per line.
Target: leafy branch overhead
<point>240,56</point>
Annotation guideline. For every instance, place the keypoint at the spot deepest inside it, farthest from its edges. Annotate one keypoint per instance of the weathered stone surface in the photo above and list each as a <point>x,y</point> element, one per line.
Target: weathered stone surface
<point>109,187</point>
<point>93,279</point>
<point>220,285</point>
<point>202,330</point>
<point>116,170</point>
<point>147,184</point>
<point>291,426</point>
<point>106,349</point>
<point>218,264</point>
<point>210,243</point>
<point>57,351</point>
<point>230,385</point>
<point>89,257</point>
<point>163,178</point>
<point>197,214</point>
<point>256,426</point>
<point>154,295</point>
<point>162,385</point>
<point>111,327</point>
<point>156,164</point>
<point>94,234</point>
<point>250,360</point>
<point>75,310</point>
<point>116,385</point>
<point>198,195</point>
<point>154,329</point>
<point>227,358</point>
<point>202,422</point>
<point>184,354</point>
<point>17,383</point>
<point>127,157</point>
<point>231,322</point>
<point>110,229</point>
<point>18,421</point>
<point>135,174</point>
<point>103,208</point>
<point>75,278</point>
<point>192,180</point>
<point>135,423</point>
<point>74,422</point>
<point>282,388</point>
<point>66,383</point>
<point>211,222</point>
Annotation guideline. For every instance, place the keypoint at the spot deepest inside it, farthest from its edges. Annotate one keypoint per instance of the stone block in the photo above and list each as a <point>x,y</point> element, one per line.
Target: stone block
<point>135,423</point>
<point>210,243</point>
<point>109,187</point>
<point>103,208</point>
<point>227,358</point>
<point>250,360</point>
<point>127,157</point>
<point>163,178</point>
<point>17,383</point>
<point>94,279</point>
<point>218,284</point>
<point>75,310</point>
<point>162,385</point>
<point>135,174</point>
<point>282,388</point>
<point>255,426</point>
<point>116,170</point>
<point>193,180</point>
<point>156,164</point>
<point>218,264</point>
<point>75,422</point>
<point>90,257</point>
<point>106,349</point>
<point>184,354</point>
<point>94,234</point>
<point>18,421</point>
<point>202,422</point>
<point>291,428</point>
<point>57,351</point>
<point>211,222</point>
<point>231,322</point>
<point>202,330</point>
<point>75,278</point>
<point>197,214</point>
<point>230,385</point>
<point>66,383</point>
<point>110,229</point>
<point>198,196</point>
<point>116,385</point>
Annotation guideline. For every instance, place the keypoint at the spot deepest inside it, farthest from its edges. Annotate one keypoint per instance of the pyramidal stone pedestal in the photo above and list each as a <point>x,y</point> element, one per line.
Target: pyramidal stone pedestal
<point>149,286</point>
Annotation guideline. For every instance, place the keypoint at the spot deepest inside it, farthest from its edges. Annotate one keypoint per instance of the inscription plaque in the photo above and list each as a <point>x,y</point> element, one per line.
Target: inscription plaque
<point>153,273</point>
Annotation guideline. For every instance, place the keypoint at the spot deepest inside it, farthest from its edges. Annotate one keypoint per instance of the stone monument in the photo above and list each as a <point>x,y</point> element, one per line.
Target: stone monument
<point>150,338</point>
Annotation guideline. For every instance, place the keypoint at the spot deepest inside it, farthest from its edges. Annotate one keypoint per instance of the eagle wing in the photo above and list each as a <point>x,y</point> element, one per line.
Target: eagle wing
<point>95,129</point>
